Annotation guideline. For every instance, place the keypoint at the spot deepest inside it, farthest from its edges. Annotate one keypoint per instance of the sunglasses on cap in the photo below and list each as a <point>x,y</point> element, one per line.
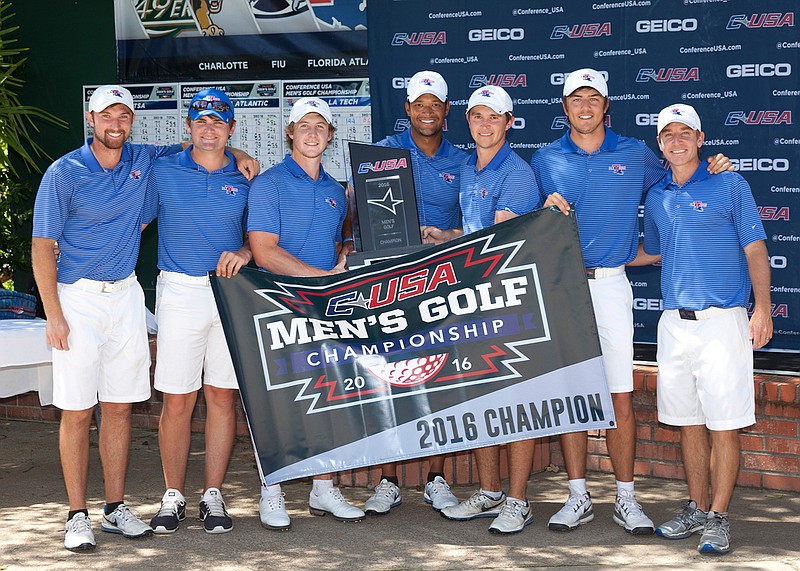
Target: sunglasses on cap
<point>204,104</point>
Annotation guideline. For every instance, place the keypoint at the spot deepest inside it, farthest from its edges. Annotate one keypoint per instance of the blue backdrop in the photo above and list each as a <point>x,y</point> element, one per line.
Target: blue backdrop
<point>735,62</point>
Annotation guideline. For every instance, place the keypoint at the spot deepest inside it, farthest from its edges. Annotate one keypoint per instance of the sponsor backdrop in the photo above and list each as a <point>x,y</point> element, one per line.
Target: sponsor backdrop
<point>484,340</point>
<point>736,62</point>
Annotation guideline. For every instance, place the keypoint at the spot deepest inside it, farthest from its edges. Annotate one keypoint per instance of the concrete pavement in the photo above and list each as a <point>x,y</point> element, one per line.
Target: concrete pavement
<point>33,508</point>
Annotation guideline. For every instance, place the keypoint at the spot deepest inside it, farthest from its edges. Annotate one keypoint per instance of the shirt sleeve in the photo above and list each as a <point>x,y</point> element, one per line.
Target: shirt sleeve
<point>263,206</point>
<point>652,239</point>
<point>746,219</point>
<point>536,167</point>
<point>51,207</point>
<point>654,170</point>
<point>520,193</point>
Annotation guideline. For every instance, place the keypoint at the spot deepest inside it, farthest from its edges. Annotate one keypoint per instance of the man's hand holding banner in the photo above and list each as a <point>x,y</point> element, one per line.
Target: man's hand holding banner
<point>487,339</point>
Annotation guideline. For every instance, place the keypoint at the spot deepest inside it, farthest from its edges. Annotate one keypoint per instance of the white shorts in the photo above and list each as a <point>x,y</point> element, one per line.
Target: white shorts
<point>191,347</point>
<point>705,370</point>
<point>109,356</point>
<point>612,299</point>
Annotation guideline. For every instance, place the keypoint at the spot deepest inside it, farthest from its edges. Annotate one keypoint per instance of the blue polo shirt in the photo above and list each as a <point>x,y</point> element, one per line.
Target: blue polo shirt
<point>506,183</point>
<point>436,179</point>
<point>95,214</point>
<point>200,214</point>
<point>307,215</point>
<point>606,187</point>
<point>701,229</point>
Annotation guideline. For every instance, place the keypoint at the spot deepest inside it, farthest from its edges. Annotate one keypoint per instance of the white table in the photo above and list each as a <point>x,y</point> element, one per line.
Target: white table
<point>25,359</point>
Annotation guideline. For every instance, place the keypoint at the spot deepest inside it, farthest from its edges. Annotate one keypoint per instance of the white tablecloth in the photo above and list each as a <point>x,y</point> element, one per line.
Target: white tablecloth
<point>25,359</point>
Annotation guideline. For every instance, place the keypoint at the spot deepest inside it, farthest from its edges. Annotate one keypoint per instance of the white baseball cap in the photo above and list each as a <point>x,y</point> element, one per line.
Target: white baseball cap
<point>306,105</point>
<point>679,113</point>
<point>492,96</point>
<point>426,82</point>
<point>585,77</point>
<point>107,95</point>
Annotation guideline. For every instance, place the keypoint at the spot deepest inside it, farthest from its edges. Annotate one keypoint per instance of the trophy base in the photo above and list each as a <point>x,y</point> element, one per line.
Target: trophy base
<point>361,259</point>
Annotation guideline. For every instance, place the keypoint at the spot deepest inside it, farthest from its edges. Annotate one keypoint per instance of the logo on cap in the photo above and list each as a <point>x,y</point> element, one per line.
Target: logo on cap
<point>486,93</point>
<point>587,77</point>
<point>427,81</point>
<point>116,93</point>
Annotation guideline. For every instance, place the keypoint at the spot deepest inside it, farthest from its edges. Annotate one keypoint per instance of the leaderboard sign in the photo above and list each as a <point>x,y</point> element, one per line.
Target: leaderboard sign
<point>262,110</point>
<point>737,63</point>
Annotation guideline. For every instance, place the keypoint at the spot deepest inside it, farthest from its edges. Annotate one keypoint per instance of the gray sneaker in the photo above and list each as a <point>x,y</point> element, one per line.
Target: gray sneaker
<point>576,511</point>
<point>690,521</point>
<point>386,496</point>
<point>124,522</point>
<point>478,505</point>
<point>716,538</point>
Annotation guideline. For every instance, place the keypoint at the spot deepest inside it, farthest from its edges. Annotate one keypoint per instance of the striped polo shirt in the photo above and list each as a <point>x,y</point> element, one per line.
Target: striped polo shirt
<point>200,214</point>
<point>305,214</point>
<point>436,179</point>
<point>701,229</point>
<point>506,183</point>
<point>606,187</point>
<point>95,214</point>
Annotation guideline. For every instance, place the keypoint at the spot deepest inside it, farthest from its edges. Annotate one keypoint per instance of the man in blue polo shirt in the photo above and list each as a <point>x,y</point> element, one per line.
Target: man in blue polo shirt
<point>496,185</point>
<point>436,164</point>
<point>712,245</point>
<point>605,176</point>
<point>200,199</point>
<point>90,201</point>
<point>295,215</point>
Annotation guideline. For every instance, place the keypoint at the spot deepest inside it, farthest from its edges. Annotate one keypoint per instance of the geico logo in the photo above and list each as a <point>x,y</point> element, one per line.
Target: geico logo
<point>518,123</point>
<point>647,119</point>
<point>491,34</point>
<point>774,212</point>
<point>779,165</point>
<point>674,25</point>
<point>559,78</point>
<point>648,304</point>
<point>759,70</point>
<point>777,262</point>
<point>400,82</point>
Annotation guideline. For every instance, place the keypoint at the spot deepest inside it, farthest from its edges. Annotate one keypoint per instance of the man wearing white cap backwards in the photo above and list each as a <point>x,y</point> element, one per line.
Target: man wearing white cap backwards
<point>90,201</point>
<point>436,164</point>
<point>605,176</point>
<point>712,246</point>
<point>296,212</point>
<point>496,185</point>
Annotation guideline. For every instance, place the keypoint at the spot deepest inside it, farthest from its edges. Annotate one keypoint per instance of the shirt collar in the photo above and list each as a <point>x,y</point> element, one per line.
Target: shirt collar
<point>408,142</point>
<point>186,160</point>
<point>501,155</point>
<point>699,175</point>
<point>91,161</point>
<point>609,142</point>
<point>296,170</point>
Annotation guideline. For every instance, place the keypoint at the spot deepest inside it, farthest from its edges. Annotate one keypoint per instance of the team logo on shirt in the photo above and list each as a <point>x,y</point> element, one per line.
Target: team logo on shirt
<point>447,177</point>
<point>136,175</point>
<point>232,190</point>
<point>698,205</point>
<point>618,169</point>
<point>331,201</point>
<point>484,193</point>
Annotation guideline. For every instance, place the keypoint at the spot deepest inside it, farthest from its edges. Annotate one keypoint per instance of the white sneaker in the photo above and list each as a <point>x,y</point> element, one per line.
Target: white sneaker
<point>628,513</point>
<point>78,535</point>
<point>386,496</point>
<point>125,522</point>
<point>332,502</point>
<point>478,505</point>
<point>438,494</point>
<point>576,511</point>
<point>513,518</point>
<point>272,512</point>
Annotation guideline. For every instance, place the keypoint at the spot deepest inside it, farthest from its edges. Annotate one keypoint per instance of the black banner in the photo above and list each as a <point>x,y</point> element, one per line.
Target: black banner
<point>487,339</point>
